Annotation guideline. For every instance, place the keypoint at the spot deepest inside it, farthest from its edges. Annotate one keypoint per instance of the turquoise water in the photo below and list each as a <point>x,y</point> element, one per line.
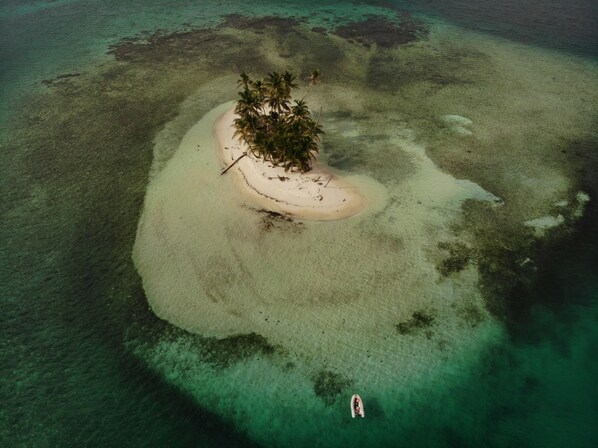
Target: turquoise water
<point>73,311</point>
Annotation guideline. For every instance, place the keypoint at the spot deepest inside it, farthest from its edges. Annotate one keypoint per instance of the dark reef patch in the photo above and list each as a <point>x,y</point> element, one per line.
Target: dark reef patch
<point>222,353</point>
<point>384,33</point>
<point>460,67</point>
<point>60,79</point>
<point>501,245</point>
<point>471,315</point>
<point>419,321</point>
<point>182,42</point>
<point>519,272</point>
<point>458,258</point>
<point>319,30</point>
<point>258,24</point>
<point>271,220</point>
<point>510,261</point>
<point>216,51</point>
<point>328,385</point>
<point>343,154</point>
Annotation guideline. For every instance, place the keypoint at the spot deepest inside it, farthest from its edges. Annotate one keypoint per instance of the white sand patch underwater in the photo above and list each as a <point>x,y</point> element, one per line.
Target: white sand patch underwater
<point>544,223</point>
<point>457,124</point>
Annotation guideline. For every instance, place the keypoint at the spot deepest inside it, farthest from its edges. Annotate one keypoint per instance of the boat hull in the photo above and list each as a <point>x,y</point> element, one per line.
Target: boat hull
<point>359,412</point>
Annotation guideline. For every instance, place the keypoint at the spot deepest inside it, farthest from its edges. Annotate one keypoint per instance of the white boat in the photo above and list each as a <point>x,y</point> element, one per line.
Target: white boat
<point>357,406</point>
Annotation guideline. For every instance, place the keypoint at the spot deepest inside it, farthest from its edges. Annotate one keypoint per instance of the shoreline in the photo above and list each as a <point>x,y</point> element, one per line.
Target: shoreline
<point>318,194</point>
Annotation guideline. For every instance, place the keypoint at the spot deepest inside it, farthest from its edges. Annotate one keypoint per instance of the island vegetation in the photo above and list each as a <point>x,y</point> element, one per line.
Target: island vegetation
<point>275,127</point>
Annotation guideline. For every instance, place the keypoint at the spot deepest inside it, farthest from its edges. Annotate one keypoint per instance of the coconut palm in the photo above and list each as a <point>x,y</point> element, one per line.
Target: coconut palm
<point>300,111</point>
<point>312,79</point>
<point>275,130</point>
<point>244,81</point>
<point>288,80</point>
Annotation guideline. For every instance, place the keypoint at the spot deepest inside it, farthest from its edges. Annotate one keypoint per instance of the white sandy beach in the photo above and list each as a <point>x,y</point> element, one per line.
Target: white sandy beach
<point>318,194</point>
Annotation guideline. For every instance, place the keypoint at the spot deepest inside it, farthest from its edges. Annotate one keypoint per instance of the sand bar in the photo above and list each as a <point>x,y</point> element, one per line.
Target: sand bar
<point>319,194</point>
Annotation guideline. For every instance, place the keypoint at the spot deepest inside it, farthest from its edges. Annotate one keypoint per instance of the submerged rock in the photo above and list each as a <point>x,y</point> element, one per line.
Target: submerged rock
<point>456,120</point>
<point>383,32</point>
<point>457,124</point>
<point>460,130</point>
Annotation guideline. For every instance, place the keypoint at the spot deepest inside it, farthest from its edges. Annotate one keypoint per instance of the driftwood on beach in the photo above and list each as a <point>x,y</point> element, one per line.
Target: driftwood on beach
<point>233,164</point>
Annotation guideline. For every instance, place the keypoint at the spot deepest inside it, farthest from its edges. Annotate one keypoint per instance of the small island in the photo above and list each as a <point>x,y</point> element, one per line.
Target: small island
<point>270,145</point>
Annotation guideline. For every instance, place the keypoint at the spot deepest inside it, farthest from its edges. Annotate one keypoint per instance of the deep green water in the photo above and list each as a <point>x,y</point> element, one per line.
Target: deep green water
<point>70,297</point>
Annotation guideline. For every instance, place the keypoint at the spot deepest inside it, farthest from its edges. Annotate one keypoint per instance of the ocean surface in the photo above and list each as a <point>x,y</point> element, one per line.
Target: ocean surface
<point>96,96</point>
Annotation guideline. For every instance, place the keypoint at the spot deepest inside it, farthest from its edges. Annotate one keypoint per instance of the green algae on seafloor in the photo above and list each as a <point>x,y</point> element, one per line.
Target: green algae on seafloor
<point>275,221</point>
<point>383,32</point>
<point>459,255</point>
<point>223,352</point>
<point>472,315</point>
<point>419,320</point>
<point>330,386</point>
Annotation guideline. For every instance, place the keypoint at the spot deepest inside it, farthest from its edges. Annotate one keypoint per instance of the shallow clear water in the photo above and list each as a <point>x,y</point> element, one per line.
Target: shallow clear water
<point>85,362</point>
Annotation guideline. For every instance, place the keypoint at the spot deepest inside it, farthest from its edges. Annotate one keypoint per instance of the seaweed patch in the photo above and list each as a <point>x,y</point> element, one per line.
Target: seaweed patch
<point>319,30</point>
<point>328,385</point>
<point>271,220</point>
<point>384,33</point>
<point>224,352</point>
<point>471,315</point>
<point>257,24</point>
<point>459,256</point>
<point>60,79</point>
<point>418,321</point>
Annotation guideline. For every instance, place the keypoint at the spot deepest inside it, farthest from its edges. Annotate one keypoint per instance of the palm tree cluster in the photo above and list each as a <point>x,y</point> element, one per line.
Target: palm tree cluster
<point>275,129</point>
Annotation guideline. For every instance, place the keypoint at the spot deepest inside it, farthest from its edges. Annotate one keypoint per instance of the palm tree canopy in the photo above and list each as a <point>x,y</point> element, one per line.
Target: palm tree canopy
<point>314,77</point>
<point>243,81</point>
<point>275,130</point>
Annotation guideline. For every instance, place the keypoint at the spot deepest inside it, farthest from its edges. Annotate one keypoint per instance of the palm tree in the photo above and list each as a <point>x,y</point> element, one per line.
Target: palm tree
<point>244,81</point>
<point>259,88</point>
<point>312,79</point>
<point>273,129</point>
<point>288,83</point>
<point>299,111</point>
<point>278,92</point>
<point>248,104</point>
